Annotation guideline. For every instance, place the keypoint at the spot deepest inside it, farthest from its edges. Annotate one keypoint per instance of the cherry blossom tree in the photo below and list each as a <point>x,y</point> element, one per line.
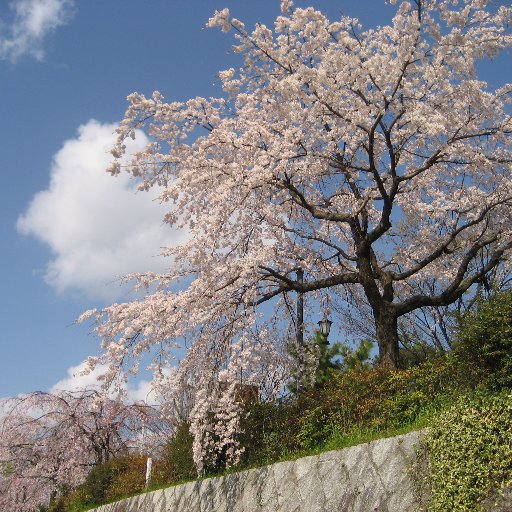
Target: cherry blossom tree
<point>50,441</point>
<point>373,161</point>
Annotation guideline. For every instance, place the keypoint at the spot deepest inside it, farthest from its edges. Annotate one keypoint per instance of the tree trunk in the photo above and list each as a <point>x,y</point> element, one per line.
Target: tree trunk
<point>387,337</point>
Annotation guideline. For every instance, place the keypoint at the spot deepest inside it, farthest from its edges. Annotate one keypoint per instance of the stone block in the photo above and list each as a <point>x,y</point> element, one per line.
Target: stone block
<point>288,496</point>
<point>309,485</point>
<point>334,479</point>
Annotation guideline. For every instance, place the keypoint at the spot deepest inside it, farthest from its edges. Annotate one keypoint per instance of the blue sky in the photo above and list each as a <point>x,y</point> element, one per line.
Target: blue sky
<point>67,228</point>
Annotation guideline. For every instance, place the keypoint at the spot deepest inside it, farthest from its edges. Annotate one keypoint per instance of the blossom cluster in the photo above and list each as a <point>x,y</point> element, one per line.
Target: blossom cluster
<point>375,161</point>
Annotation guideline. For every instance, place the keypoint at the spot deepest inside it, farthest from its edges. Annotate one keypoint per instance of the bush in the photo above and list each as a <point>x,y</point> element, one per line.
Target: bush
<point>69,502</point>
<point>113,480</point>
<point>484,344</point>
<point>375,399</point>
<point>269,431</point>
<point>176,462</point>
<point>470,451</point>
<point>315,428</point>
<point>353,400</point>
<point>128,477</point>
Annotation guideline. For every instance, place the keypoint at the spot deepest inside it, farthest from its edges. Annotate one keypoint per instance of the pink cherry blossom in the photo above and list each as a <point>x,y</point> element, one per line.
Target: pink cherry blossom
<point>376,161</point>
<point>49,441</point>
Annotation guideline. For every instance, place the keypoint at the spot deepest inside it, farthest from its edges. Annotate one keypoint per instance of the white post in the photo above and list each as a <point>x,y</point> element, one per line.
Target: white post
<point>149,461</point>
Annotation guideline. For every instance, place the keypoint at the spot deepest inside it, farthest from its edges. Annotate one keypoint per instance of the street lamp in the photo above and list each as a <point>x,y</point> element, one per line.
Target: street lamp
<point>325,328</point>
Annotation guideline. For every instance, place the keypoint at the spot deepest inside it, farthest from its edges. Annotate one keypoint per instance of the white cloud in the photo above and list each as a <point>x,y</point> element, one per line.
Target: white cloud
<point>33,21</point>
<point>142,391</point>
<point>78,379</point>
<point>97,227</point>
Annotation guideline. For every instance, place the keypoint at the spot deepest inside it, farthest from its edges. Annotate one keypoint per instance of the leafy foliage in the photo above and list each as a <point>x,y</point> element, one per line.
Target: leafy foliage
<point>470,449</point>
<point>325,360</point>
<point>176,462</point>
<point>359,398</point>
<point>270,431</point>
<point>484,344</point>
<point>358,358</point>
<point>374,399</point>
<point>109,481</point>
<point>125,475</point>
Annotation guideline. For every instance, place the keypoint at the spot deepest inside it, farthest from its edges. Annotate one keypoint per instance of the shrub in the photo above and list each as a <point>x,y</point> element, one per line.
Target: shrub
<point>176,462</point>
<point>269,431</point>
<point>371,399</point>
<point>377,399</point>
<point>128,477</point>
<point>484,344</point>
<point>315,428</point>
<point>470,451</point>
<point>115,479</point>
<point>69,502</point>
<point>94,489</point>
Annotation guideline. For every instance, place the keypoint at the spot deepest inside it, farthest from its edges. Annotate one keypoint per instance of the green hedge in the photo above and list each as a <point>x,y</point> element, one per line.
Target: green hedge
<point>369,399</point>
<point>484,344</point>
<point>470,452</point>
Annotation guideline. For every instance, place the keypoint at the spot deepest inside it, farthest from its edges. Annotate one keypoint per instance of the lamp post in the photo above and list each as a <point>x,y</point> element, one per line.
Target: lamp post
<point>299,334</point>
<point>325,329</point>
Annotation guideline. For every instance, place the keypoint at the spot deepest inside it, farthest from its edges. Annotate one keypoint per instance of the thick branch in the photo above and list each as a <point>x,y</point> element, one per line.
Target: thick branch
<point>288,284</point>
<point>444,247</point>
<point>460,284</point>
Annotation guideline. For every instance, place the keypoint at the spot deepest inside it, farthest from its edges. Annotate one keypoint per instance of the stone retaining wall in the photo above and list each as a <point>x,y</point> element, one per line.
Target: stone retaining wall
<point>372,477</point>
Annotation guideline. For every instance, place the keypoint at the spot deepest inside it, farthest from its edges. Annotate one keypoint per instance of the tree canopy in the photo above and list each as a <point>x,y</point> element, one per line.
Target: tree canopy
<point>50,441</point>
<point>375,161</point>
